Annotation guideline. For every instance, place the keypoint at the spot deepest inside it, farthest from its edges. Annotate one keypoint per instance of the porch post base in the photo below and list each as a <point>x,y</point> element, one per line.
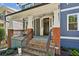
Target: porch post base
<point>56,39</point>
<point>30,33</point>
<point>10,34</point>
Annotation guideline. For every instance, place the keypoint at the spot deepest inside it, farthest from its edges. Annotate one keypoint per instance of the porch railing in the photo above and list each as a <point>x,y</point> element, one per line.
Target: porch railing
<point>26,40</point>
<point>24,35</point>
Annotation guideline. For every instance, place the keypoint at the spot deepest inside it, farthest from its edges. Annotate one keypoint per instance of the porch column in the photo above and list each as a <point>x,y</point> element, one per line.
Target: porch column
<point>56,31</point>
<point>30,28</point>
<point>10,33</point>
<point>41,26</point>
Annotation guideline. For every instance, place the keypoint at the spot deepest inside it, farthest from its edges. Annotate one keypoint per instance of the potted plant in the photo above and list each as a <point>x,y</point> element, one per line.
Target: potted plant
<point>2,34</point>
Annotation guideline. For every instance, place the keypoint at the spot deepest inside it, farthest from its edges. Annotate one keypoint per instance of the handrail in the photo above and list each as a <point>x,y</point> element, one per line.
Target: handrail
<point>48,42</point>
<point>27,39</point>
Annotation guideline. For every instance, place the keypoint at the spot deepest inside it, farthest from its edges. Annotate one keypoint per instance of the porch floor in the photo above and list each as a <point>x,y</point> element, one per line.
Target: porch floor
<point>43,38</point>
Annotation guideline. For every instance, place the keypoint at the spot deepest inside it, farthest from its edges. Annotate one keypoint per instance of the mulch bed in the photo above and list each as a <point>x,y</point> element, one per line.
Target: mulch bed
<point>65,52</point>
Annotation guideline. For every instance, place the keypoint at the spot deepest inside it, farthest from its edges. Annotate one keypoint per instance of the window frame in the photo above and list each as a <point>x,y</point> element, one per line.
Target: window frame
<point>77,21</point>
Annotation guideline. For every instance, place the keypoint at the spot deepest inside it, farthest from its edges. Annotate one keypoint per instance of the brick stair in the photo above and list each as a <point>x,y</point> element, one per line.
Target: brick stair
<point>35,48</point>
<point>34,52</point>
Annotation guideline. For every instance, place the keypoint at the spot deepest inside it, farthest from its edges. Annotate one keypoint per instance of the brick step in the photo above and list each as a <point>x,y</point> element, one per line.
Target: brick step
<point>35,51</point>
<point>38,49</point>
<point>28,53</point>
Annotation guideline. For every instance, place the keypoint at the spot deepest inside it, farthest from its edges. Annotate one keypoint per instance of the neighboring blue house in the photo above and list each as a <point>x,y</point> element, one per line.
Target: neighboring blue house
<point>69,24</point>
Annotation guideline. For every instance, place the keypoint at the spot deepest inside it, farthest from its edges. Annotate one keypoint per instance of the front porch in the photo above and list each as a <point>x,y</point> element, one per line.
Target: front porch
<point>37,23</point>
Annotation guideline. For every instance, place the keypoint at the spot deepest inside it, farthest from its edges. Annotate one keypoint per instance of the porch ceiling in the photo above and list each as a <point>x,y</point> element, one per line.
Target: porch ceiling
<point>49,8</point>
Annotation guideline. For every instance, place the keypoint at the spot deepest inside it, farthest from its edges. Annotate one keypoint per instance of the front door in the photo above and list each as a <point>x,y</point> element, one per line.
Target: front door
<point>37,27</point>
<point>46,26</point>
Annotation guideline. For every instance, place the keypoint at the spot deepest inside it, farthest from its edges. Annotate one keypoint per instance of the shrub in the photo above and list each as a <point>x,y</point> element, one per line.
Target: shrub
<point>75,52</point>
<point>74,49</point>
<point>8,52</point>
<point>49,54</point>
<point>2,34</point>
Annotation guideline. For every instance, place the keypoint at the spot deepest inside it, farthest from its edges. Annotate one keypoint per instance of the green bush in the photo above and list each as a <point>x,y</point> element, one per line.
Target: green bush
<point>75,52</point>
<point>74,49</point>
<point>2,34</point>
<point>49,54</point>
<point>8,52</point>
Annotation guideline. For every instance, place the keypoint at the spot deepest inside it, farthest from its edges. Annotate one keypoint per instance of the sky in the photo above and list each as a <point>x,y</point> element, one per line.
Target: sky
<point>12,5</point>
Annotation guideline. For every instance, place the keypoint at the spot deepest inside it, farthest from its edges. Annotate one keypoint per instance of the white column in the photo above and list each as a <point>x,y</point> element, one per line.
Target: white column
<point>56,19</point>
<point>30,18</point>
<point>41,27</point>
<point>51,23</point>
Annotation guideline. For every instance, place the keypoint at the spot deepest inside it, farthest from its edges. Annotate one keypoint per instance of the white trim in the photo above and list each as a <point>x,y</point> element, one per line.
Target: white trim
<point>68,9</point>
<point>77,21</point>
<point>41,23</point>
<point>66,37</point>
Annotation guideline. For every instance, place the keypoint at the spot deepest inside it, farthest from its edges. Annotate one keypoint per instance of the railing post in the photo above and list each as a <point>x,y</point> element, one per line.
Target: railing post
<point>30,33</point>
<point>10,34</point>
<point>30,27</point>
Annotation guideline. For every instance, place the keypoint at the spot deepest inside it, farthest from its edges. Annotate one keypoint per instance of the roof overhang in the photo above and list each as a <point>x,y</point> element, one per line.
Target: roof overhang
<point>44,9</point>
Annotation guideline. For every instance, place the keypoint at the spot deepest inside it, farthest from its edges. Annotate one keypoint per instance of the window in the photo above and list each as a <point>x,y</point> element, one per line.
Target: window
<point>26,24</point>
<point>1,16</point>
<point>73,22</point>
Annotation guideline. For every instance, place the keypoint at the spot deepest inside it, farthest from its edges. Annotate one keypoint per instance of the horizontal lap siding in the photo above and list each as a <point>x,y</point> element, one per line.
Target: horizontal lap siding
<point>70,43</point>
<point>68,5</point>
<point>63,24</point>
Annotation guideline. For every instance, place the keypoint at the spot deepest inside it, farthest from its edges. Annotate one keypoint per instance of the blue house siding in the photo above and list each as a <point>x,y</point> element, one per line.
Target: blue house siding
<point>63,24</point>
<point>65,5</point>
<point>70,43</point>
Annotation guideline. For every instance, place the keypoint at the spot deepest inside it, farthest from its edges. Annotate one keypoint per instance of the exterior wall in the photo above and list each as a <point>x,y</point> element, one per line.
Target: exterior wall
<point>1,21</point>
<point>70,43</point>
<point>68,5</point>
<point>17,25</point>
<point>64,31</point>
